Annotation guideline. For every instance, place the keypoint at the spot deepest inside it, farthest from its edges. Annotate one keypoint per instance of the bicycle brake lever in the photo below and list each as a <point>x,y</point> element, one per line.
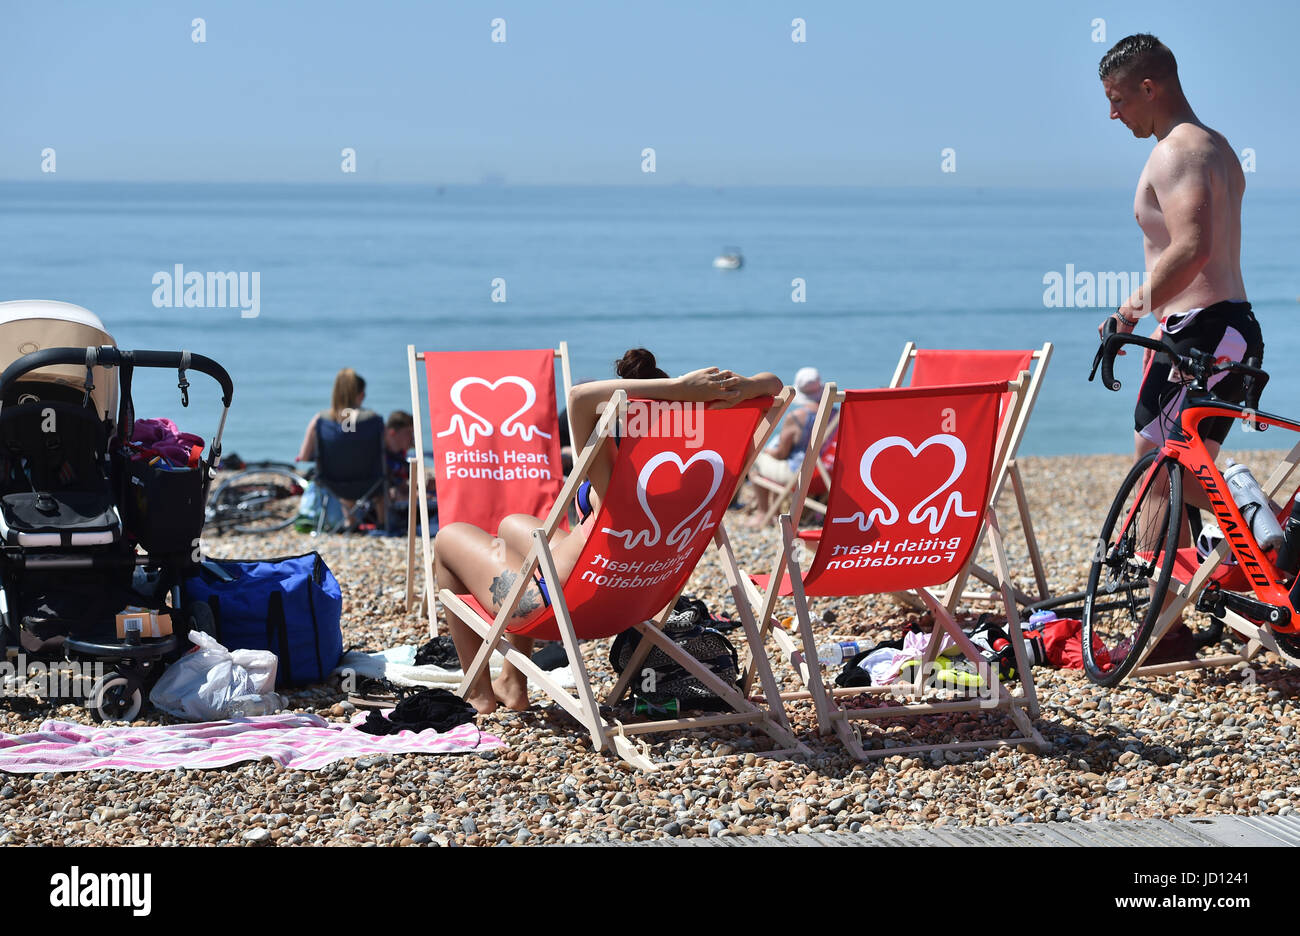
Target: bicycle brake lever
<point>1109,329</point>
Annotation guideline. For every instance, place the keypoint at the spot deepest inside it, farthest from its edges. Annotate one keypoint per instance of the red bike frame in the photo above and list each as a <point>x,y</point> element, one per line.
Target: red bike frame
<point>1186,447</point>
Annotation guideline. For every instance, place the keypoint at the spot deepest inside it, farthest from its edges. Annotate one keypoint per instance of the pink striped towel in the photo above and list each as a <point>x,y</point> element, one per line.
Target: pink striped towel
<point>303,742</point>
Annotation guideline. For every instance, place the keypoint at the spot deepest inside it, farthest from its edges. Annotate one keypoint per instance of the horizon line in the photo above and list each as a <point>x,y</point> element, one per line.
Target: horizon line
<point>594,185</point>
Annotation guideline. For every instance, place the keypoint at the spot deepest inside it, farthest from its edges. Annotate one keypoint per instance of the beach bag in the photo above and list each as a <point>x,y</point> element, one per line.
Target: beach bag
<point>662,679</point>
<point>291,606</point>
<point>316,501</point>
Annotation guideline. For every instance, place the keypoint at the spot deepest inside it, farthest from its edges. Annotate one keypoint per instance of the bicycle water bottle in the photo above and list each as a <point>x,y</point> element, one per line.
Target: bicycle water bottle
<point>1254,507</point>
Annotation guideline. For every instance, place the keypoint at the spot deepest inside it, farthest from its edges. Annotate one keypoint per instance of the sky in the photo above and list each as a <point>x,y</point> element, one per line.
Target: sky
<point>578,90</point>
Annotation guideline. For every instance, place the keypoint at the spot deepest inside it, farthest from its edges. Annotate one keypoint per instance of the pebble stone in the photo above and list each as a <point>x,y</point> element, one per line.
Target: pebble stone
<point>1205,742</point>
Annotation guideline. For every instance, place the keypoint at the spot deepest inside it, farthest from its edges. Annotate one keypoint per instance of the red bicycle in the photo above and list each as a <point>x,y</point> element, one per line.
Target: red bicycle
<point>1129,580</point>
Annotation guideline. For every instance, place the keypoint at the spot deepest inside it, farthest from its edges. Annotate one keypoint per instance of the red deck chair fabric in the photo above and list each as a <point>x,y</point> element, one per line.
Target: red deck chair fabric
<point>936,367</point>
<point>908,505</point>
<point>495,434</point>
<point>664,502</point>
<point>908,490</point>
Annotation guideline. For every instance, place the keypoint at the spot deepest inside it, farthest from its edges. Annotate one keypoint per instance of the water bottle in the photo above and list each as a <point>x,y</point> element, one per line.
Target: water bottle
<point>1254,505</point>
<point>833,654</point>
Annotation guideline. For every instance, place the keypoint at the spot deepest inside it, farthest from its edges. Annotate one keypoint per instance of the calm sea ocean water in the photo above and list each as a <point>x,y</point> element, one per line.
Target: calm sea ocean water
<point>349,275</point>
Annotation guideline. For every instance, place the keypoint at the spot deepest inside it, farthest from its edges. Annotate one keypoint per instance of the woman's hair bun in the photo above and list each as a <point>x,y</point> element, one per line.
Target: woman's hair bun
<point>638,364</point>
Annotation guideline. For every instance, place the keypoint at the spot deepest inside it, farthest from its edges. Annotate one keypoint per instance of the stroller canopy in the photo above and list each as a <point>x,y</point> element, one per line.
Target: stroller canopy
<point>29,325</point>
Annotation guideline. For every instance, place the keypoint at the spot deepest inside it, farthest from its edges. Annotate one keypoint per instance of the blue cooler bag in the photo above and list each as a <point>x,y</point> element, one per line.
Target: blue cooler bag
<point>290,606</point>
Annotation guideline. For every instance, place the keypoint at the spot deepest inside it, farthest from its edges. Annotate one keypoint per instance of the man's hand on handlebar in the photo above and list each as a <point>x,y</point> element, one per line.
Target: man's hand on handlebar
<point>1123,326</point>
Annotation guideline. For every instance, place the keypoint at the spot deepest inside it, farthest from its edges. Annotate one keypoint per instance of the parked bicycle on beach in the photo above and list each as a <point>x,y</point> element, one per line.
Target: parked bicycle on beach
<point>262,497</point>
<point>1128,599</point>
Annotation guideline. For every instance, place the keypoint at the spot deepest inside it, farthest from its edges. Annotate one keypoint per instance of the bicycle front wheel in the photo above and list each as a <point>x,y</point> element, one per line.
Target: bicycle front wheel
<point>256,500</point>
<point>1131,567</point>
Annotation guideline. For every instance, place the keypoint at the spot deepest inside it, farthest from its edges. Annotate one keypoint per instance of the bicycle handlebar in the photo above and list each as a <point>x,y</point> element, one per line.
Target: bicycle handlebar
<point>1199,365</point>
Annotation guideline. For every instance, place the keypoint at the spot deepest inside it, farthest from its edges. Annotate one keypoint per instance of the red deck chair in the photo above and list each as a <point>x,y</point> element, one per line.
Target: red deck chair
<point>932,367</point>
<point>908,503</point>
<point>495,441</point>
<point>784,492</point>
<point>666,502</point>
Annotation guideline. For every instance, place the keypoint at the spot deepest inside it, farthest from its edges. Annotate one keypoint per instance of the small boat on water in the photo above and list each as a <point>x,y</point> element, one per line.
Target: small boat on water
<point>729,259</point>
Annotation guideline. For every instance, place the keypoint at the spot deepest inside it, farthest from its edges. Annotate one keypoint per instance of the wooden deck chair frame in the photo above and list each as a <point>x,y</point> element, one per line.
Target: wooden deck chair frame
<point>1008,470</point>
<point>783,492</point>
<point>418,488</point>
<point>1020,706</point>
<point>1258,638</point>
<point>608,733</point>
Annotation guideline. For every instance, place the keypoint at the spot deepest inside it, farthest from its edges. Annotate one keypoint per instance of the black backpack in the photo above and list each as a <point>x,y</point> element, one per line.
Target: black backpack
<point>662,679</point>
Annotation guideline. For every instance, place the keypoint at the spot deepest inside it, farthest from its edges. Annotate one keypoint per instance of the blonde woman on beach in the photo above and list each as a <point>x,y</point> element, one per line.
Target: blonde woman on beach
<point>469,560</point>
<point>348,395</point>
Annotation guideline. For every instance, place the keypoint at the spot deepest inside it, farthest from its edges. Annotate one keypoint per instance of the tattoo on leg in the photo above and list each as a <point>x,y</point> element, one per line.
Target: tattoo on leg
<point>529,601</point>
<point>501,587</point>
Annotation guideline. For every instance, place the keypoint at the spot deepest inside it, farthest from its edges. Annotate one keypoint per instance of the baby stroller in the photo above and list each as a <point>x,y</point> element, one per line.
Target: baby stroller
<point>89,527</point>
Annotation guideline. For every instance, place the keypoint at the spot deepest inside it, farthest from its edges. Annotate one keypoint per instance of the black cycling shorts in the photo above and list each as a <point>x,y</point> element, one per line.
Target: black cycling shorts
<point>1229,331</point>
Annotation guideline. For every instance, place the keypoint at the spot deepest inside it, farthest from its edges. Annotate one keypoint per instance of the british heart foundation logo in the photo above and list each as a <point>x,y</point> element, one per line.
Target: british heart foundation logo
<point>470,422</point>
<point>683,533</point>
<point>932,508</point>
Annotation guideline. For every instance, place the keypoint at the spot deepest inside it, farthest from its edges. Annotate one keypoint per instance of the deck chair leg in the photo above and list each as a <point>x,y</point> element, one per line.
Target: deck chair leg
<point>821,701</point>
<point>410,538</point>
<point>758,658</point>
<point>1027,528</point>
<point>1023,667</point>
<point>581,678</point>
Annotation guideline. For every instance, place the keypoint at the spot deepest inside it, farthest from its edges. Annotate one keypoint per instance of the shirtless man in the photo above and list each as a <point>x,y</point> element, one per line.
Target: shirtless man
<point>1188,205</point>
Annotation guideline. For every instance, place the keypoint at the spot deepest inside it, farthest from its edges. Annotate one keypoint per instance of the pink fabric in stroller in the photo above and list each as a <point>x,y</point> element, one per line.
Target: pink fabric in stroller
<point>161,438</point>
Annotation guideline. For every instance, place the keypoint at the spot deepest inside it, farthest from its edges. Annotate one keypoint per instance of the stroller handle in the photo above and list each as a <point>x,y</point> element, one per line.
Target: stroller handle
<point>108,356</point>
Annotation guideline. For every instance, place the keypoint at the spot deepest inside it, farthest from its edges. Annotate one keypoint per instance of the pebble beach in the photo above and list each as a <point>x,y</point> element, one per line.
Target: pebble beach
<point>1196,743</point>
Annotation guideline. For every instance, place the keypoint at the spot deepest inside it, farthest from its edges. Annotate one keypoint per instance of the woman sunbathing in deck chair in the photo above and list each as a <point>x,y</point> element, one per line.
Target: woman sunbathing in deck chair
<point>469,560</point>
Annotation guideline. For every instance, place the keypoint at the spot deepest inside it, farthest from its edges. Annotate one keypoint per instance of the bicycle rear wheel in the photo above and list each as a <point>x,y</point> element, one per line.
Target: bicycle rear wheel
<point>1131,568</point>
<point>256,500</point>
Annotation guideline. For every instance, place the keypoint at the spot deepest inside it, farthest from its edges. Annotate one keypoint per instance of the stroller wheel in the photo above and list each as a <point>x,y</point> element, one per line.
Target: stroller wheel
<point>198,616</point>
<point>116,698</point>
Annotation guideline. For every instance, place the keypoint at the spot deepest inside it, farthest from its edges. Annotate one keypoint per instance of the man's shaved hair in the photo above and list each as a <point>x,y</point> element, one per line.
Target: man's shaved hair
<point>1139,56</point>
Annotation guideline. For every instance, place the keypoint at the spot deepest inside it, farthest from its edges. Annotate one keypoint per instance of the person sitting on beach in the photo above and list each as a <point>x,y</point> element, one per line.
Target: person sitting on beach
<point>469,560</point>
<point>399,439</point>
<point>781,459</point>
<point>346,401</point>
<point>345,404</point>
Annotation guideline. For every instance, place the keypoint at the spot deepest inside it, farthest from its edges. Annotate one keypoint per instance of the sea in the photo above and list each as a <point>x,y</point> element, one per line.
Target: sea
<point>349,275</point>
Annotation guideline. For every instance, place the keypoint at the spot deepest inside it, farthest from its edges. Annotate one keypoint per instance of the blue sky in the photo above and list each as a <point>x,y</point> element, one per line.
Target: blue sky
<point>719,90</point>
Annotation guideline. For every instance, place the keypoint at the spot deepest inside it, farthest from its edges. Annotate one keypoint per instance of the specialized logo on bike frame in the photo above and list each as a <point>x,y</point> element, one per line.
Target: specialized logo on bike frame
<point>682,534</point>
<point>481,424</point>
<point>927,509</point>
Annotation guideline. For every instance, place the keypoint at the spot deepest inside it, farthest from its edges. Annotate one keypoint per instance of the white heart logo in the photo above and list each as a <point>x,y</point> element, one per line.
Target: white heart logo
<point>681,535</point>
<point>483,426</point>
<point>937,519</point>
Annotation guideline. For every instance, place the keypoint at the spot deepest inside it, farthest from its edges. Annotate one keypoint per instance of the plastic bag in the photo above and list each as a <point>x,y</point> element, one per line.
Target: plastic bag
<point>211,683</point>
<point>316,501</point>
